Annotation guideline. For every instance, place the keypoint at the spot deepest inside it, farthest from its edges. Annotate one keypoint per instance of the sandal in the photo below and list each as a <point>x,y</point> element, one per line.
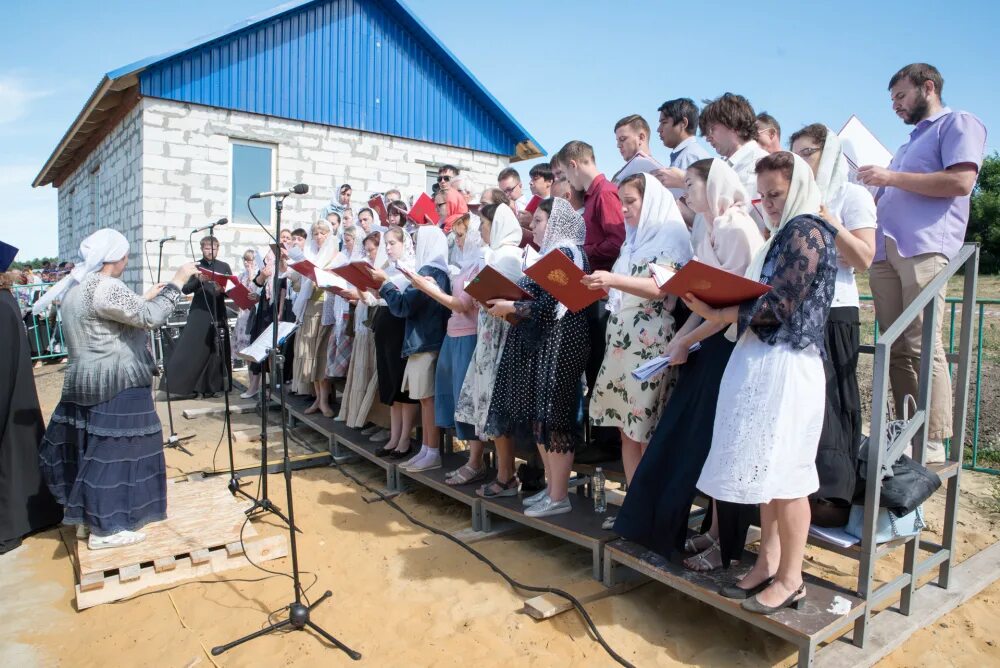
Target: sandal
<point>497,489</point>
<point>699,543</point>
<point>465,475</point>
<point>699,563</point>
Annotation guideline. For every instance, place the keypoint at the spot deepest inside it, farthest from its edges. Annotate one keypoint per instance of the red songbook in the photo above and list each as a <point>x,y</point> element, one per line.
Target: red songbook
<point>423,211</point>
<point>716,287</point>
<point>533,204</point>
<point>357,274</point>
<point>306,268</point>
<point>491,284</point>
<point>378,204</point>
<point>558,276</point>
<point>222,280</point>
<point>240,295</point>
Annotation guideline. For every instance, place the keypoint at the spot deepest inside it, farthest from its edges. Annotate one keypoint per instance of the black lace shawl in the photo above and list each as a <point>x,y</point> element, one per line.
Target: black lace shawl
<point>801,268</point>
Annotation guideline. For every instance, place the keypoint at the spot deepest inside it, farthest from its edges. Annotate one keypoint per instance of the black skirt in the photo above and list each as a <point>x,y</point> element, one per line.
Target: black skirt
<point>389,362</point>
<point>841,435</point>
<point>658,503</point>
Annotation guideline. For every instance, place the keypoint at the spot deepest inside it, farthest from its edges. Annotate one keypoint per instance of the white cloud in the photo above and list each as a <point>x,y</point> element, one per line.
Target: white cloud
<point>17,95</point>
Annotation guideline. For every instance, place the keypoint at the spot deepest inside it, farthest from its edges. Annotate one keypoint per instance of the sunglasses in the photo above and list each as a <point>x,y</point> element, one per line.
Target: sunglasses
<point>444,178</point>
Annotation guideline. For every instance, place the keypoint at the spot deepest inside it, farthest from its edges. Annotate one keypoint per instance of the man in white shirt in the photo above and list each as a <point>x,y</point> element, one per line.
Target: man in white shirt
<point>677,127</point>
<point>509,181</point>
<point>729,124</point>
<point>632,136</point>
<point>768,132</point>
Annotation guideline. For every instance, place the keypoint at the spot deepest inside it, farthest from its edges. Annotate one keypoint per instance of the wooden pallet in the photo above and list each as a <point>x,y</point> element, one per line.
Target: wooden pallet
<point>200,537</point>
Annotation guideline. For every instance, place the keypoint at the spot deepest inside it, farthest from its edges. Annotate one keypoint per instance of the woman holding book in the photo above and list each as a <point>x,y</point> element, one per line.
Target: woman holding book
<point>500,234</point>
<point>388,330</point>
<point>850,209</point>
<point>656,510</point>
<point>337,314</point>
<point>426,321</point>
<point>459,344</point>
<point>539,385</point>
<point>764,444</point>
<point>361,387</point>
<point>638,329</point>
<point>311,338</point>
<point>242,328</point>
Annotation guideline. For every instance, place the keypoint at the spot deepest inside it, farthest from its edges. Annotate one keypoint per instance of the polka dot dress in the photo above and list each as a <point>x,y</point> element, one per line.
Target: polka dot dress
<point>539,379</point>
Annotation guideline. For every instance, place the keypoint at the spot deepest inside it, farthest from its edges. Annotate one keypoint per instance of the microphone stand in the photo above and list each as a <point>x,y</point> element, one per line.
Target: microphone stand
<point>298,613</point>
<point>173,441</point>
<point>263,503</point>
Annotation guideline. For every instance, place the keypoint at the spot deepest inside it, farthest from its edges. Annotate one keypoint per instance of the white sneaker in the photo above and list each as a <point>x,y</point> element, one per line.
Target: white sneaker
<point>547,507</point>
<point>248,394</point>
<point>120,539</point>
<point>415,459</point>
<point>935,453</point>
<point>430,460</point>
<point>534,498</point>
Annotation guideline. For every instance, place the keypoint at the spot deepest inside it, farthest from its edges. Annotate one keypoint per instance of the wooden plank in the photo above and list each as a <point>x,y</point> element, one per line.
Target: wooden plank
<point>234,409</point>
<point>233,549</point>
<point>587,591</point>
<point>201,514</point>
<point>91,581</point>
<point>129,573</point>
<point>263,549</point>
<point>199,556</point>
<point>164,564</point>
<point>470,536</point>
<point>827,611</point>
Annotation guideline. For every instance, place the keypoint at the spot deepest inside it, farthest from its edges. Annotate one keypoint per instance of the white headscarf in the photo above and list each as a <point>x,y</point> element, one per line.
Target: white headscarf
<point>803,198</point>
<point>101,247</point>
<point>565,229</point>
<point>432,248</point>
<point>322,257</point>
<point>473,252</point>
<point>408,260</point>
<point>833,171</point>
<point>660,235</point>
<point>340,305</point>
<point>505,239</point>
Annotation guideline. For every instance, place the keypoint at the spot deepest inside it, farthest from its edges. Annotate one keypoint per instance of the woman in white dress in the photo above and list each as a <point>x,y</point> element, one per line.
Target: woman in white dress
<point>772,394</point>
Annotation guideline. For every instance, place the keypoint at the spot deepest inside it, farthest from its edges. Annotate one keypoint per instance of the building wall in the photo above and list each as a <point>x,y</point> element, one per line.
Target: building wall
<point>186,170</point>
<point>106,191</point>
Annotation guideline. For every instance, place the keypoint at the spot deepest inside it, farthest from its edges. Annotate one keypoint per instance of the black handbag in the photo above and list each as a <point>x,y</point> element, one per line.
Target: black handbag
<point>905,483</point>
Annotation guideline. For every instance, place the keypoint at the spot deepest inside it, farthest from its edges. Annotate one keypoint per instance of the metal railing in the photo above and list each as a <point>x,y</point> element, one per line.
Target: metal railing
<point>45,337</point>
<point>952,357</point>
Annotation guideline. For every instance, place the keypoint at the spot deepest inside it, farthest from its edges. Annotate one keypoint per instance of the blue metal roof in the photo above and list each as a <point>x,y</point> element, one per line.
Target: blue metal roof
<point>368,65</point>
<point>362,64</point>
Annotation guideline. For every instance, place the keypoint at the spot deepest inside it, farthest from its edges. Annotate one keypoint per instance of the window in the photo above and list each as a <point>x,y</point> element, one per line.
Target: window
<point>252,172</point>
<point>432,179</point>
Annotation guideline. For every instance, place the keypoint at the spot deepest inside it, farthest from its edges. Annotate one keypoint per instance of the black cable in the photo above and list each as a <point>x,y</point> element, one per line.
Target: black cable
<point>255,219</point>
<point>496,569</point>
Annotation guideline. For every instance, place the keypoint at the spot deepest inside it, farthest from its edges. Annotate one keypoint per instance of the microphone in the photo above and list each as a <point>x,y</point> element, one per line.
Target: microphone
<point>220,221</point>
<point>297,189</point>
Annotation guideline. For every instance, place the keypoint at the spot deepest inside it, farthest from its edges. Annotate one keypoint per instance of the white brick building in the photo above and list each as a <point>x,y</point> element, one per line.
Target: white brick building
<point>156,150</point>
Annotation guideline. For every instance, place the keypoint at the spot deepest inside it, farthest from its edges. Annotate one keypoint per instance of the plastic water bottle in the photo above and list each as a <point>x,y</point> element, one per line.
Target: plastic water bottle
<point>597,490</point>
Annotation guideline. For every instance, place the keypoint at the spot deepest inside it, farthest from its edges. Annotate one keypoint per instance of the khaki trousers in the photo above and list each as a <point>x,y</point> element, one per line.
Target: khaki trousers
<point>895,284</point>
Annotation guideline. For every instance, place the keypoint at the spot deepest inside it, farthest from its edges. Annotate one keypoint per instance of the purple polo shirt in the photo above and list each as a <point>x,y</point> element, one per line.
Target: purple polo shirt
<point>921,224</point>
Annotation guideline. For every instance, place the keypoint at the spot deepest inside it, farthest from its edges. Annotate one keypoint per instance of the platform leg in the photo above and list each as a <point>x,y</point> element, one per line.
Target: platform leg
<point>807,655</point>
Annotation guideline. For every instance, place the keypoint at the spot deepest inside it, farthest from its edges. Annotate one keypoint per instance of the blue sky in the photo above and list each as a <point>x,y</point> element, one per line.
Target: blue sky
<point>565,70</point>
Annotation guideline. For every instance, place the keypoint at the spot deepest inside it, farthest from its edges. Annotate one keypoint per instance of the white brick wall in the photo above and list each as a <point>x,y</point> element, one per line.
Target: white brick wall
<point>106,191</point>
<point>170,167</point>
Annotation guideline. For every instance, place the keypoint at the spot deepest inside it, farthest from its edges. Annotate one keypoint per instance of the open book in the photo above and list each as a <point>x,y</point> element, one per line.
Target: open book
<point>423,211</point>
<point>357,274</point>
<point>257,351</point>
<point>639,163</point>
<point>654,366</point>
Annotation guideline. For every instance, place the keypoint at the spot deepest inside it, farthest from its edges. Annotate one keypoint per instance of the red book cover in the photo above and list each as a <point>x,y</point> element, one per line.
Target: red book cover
<point>423,211</point>
<point>356,273</point>
<point>240,295</point>
<point>491,284</point>
<point>558,276</point>
<point>222,280</point>
<point>533,204</point>
<point>378,204</point>
<point>716,287</point>
<point>306,268</point>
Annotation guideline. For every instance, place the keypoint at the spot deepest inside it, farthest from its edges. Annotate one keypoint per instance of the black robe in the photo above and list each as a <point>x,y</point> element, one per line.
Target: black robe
<point>25,503</point>
<point>194,364</point>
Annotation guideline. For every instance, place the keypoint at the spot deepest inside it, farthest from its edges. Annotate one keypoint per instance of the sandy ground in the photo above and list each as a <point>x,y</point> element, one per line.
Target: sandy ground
<point>403,596</point>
